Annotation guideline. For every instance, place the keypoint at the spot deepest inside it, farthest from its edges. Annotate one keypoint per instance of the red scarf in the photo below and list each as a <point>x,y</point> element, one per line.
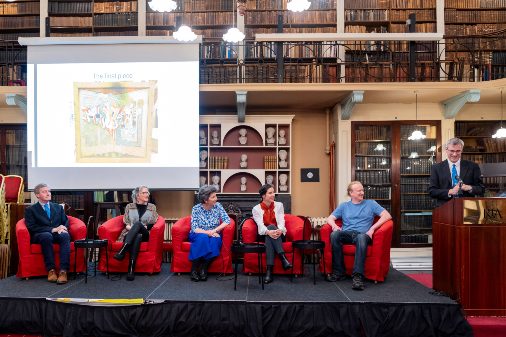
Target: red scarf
<point>269,214</point>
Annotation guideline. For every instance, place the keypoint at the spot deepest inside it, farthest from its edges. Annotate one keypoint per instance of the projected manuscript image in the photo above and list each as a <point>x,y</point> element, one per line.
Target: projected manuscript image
<point>114,122</point>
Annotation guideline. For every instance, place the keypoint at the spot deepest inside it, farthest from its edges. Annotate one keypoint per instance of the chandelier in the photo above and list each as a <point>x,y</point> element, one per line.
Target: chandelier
<point>162,5</point>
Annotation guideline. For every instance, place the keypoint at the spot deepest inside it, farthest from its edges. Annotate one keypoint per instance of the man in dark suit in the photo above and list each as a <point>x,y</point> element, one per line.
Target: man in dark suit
<point>48,224</point>
<point>455,177</point>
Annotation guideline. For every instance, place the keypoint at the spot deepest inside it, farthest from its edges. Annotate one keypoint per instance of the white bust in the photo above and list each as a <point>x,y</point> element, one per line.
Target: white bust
<point>270,131</point>
<point>203,158</point>
<point>243,140</point>
<point>216,181</point>
<point>283,178</point>
<point>243,184</point>
<point>244,161</point>
<point>215,139</point>
<point>269,179</point>
<point>202,180</point>
<point>202,137</point>
<point>281,138</point>
<point>282,159</point>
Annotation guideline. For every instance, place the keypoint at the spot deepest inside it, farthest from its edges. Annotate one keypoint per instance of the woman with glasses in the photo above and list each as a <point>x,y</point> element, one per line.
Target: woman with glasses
<point>139,218</point>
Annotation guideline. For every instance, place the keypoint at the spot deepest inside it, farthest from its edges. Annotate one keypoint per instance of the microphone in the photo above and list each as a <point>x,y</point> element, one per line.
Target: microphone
<point>460,182</point>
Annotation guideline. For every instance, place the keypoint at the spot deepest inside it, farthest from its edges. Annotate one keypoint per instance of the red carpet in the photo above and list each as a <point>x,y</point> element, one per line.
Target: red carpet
<point>483,326</point>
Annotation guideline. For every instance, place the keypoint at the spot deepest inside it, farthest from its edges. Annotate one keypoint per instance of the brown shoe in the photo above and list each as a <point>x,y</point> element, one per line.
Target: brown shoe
<point>62,277</point>
<point>51,276</point>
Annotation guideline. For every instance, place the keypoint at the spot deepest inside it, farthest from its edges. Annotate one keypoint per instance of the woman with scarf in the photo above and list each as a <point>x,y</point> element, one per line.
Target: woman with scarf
<point>269,216</point>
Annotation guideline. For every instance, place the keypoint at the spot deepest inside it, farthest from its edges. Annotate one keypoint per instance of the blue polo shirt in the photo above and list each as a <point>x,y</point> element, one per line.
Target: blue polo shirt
<point>358,217</point>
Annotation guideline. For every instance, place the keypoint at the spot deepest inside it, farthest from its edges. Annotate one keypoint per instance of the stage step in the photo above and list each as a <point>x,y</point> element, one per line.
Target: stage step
<point>412,263</point>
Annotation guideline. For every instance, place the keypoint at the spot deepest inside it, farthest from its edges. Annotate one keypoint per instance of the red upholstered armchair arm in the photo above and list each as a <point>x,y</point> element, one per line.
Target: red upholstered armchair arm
<point>228,235</point>
<point>294,227</point>
<point>156,235</point>
<point>77,229</point>
<point>22,237</point>
<point>180,231</point>
<point>249,231</point>
<point>111,229</point>
<point>382,239</point>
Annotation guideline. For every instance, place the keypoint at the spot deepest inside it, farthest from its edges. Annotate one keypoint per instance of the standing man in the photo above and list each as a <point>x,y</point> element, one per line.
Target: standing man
<point>48,224</point>
<point>358,228</point>
<point>455,177</point>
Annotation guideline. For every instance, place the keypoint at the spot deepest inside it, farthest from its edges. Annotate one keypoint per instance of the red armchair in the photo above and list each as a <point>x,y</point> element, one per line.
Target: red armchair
<point>294,231</point>
<point>377,262</point>
<point>14,189</point>
<point>31,260</point>
<point>181,248</point>
<point>150,255</point>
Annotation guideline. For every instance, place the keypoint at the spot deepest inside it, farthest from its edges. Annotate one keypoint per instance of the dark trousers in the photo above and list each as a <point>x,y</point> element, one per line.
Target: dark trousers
<point>135,236</point>
<point>46,240</point>
<point>273,246</point>
<point>360,240</point>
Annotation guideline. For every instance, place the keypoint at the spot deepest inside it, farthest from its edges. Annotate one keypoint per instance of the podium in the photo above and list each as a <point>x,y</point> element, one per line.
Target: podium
<point>469,253</point>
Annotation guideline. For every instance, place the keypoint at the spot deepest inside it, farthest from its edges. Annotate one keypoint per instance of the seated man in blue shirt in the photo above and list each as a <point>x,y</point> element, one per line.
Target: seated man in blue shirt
<point>358,228</point>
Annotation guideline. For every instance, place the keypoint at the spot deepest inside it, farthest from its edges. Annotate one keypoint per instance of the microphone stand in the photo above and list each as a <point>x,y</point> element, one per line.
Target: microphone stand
<point>459,192</point>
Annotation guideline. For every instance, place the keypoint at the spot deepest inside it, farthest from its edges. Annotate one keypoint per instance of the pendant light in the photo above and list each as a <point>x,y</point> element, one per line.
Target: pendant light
<point>185,33</point>
<point>501,132</point>
<point>417,134</point>
<point>233,35</point>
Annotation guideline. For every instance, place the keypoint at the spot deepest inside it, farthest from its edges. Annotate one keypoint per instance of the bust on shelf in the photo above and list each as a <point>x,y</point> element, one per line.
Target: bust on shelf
<point>281,138</point>
<point>202,137</point>
<point>216,182</point>
<point>283,178</point>
<point>244,161</point>
<point>243,184</point>
<point>203,158</point>
<point>270,131</point>
<point>215,138</point>
<point>283,154</point>
<point>203,180</point>
<point>243,140</point>
<point>269,179</point>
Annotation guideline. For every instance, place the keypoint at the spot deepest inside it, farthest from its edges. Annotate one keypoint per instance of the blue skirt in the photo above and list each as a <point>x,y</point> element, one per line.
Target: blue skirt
<point>204,246</point>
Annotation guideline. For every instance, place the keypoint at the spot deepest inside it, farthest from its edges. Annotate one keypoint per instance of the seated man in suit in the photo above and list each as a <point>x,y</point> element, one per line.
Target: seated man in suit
<point>48,224</point>
<point>455,177</point>
<point>358,228</point>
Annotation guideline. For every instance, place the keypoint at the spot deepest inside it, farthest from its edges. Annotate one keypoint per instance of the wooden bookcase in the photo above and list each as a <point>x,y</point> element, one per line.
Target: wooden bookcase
<point>488,152</point>
<point>13,150</point>
<point>92,18</point>
<point>395,172</point>
<point>257,157</point>
<point>19,18</point>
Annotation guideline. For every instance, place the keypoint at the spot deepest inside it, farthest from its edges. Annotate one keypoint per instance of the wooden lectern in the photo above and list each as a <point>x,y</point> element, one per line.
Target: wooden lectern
<point>469,253</point>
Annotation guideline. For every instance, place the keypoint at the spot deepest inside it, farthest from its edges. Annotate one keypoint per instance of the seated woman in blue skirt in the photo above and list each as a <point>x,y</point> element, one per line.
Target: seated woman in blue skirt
<point>208,220</point>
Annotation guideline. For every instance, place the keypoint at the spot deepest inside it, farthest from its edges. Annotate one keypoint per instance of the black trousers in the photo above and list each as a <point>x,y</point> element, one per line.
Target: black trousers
<point>135,236</point>
<point>272,246</point>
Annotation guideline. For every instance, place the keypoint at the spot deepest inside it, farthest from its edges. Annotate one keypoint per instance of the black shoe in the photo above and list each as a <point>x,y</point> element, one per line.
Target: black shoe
<point>334,277</point>
<point>268,275</point>
<point>131,272</point>
<point>358,282</point>
<point>195,276</point>
<point>203,270</point>
<point>284,262</point>
<point>121,254</point>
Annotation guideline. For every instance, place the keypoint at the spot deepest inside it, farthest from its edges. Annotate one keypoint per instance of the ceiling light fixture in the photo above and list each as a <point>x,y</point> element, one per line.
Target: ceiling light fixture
<point>162,5</point>
<point>298,5</point>
<point>417,134</point>
<point>233,35</point>
<point>501,132</point>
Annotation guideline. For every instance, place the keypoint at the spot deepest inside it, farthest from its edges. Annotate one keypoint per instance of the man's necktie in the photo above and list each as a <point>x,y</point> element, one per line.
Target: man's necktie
<point>455,181</point>
<point>48,212</point>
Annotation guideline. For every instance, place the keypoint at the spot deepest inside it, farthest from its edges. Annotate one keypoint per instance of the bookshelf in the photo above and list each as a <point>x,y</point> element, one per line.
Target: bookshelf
<point>19,18</point>
<point>488,152</point>
<point>395,172</point>
<point>13,150</point>
<point>92,18</point>
<point>245,156</point>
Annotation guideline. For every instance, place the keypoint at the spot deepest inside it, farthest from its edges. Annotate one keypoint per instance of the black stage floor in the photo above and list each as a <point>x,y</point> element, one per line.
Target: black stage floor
<point>175,306</point>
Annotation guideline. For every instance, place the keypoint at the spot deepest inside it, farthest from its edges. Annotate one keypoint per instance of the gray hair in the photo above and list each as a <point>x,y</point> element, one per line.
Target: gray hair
<point>136,191</point>
<point>37,188</point>
<point>205,192</point>
<point>454,141</point>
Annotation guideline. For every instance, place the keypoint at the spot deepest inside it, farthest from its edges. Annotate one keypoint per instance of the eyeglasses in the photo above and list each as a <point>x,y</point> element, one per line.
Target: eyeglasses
<point>454,151</point>
<point>145,192</point>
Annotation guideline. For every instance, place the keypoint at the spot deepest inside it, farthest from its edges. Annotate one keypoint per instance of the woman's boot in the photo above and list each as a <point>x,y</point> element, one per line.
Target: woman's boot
<point>203,270</point>
<point>121,254</point>
<point>268,275</point>
<point>195,270</point>
<point>284,261</point>
<point>133,257</point>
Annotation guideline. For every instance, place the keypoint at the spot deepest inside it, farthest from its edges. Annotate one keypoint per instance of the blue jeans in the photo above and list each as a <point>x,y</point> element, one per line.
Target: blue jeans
<point>46,240</point>
<point>360,240</point>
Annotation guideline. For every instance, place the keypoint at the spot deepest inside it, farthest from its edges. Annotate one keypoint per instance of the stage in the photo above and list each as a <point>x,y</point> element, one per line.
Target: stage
<point>175,306</point>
